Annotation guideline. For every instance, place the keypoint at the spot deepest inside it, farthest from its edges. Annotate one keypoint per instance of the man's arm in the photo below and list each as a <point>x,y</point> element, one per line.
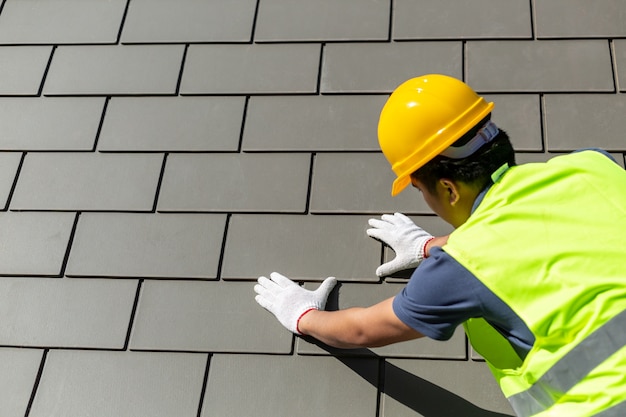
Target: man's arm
<point>351,328</point>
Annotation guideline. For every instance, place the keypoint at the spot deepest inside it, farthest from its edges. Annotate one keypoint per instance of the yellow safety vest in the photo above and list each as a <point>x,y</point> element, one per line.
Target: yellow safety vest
<point>549,239</point>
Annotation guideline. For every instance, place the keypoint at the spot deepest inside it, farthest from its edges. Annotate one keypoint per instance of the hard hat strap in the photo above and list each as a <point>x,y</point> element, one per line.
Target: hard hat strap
<point>484,135</point>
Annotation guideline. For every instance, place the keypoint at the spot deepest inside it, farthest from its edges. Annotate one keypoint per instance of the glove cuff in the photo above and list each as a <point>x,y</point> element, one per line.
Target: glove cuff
<point>423,247</point>
<point>298,332</point>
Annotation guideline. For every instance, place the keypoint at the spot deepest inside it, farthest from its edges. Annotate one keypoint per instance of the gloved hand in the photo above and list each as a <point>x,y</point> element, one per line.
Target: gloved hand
<point>288,301</point>
<point>406,239</point>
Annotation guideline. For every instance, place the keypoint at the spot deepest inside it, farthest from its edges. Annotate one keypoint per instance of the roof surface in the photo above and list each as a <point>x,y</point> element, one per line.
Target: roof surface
<point>157,156</point>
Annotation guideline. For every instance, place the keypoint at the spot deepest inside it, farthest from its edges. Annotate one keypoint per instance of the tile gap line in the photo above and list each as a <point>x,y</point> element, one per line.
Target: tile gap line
<point>133,313</point>
<point>309,191</point>
<point>182,68</point>
<point>243,123</point>
<point>391,15</point>
<point>70,243</point>
<point>122,22</point>
<point>542,122</point>
<point>220,262</point>
<point>14,185</point>
<point>45,73</point>
<point>159,183</point>
<point>31,400</point>
<point>254,21</point>
<point>318,87</point>
<point>205,382</point>
<point>464,61</point>
<point>533,25</point>
<point>99,130</point>
<point>612,57</point>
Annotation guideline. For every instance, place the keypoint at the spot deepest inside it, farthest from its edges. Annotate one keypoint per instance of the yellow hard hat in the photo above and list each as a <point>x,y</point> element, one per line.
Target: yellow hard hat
<point>423,117</point>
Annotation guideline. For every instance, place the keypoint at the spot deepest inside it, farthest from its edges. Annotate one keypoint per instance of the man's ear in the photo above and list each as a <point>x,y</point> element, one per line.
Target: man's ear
<point>451,191</point>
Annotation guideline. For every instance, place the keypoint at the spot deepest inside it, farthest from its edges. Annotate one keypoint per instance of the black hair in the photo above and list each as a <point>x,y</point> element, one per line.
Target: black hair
<point>475,169</point>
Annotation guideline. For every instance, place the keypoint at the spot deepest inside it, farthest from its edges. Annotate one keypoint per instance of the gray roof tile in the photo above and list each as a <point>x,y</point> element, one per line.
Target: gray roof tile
<point>322,20</point>
<point>520,116</point>
<point>49,124</point>
<point>251,69</point>
<point>34,243</point>
<point>235,182</point>
<point>71,313</point>
<point>539,66</point>
<point>9,164</point>
<point>61,21</point>
<point>172,124</point>
<point>147,245</point>
<point>201,316</point>
<point>120,384</point>
<point>575,19</point>
<point>451,19</point>
<point>87,181</point>
<point>22,69</point>
<point>380,67</point>
<point>114,69</point>
<point>19,373</point>
<point>268,379</point>
<point>356,295</point>
<point>189,21</point>
<point>312,123</point>
<point>620,59</point>
<point>584,120</point>
<point>452,388</point>
<point>340,241</point>
<point>358,183</point>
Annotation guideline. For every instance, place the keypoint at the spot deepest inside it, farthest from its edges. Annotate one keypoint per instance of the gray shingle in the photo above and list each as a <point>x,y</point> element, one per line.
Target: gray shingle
<point>575,19</point>
<point>34,243</point>
<point>172,124</point>
<point>358,183</point>
<point>115,69</point>
<point>87,181</point>
<point>189,21</point>
<point>290,386</point>
<point>235,182</point>
<point>120,384</point>
<point>9,164</point>
<point>61,22</point>
<point>539,66</point>
<point>22,69</point>
<point>381,67</point>
<point>520,116</point>
<point>49,124</point>
<point>312,123</point>
<point>70,313</point>
<point>445,389</point>
<point>451,19</point>
<point>201,316</point>
<point>363,295</point>
<point>620,59</point>
<point>322,20</point>
<point>585,120</point>
<point>324,246</point>
<point>147,245</point>
<point>18,372</point>
<point>251,69</point>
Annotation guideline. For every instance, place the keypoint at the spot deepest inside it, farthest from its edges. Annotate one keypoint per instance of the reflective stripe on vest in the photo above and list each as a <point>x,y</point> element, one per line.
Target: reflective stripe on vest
<point>572,368</point>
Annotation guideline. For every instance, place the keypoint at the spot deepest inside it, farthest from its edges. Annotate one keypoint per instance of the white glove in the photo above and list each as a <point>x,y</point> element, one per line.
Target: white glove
<point>288,301</point>
<point>406,239</point>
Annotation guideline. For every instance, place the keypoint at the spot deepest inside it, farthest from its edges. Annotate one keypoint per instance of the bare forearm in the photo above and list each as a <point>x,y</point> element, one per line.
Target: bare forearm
<point>357,327</point>
<point>437,241</point>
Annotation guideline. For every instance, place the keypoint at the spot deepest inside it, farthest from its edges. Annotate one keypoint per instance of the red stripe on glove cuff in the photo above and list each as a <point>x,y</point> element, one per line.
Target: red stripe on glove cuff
<point>299,318</point>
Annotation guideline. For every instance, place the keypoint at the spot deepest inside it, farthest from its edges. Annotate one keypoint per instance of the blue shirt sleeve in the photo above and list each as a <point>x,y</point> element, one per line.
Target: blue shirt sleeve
<point>442,294</point>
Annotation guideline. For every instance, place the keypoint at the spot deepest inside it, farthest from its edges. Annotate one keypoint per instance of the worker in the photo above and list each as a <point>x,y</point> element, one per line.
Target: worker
<point>535,269</point>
